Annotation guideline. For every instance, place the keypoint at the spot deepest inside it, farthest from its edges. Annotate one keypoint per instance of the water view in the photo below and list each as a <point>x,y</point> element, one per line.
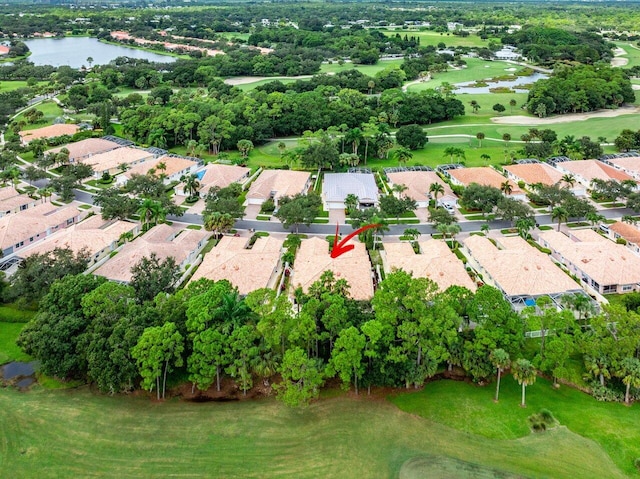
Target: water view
<point>74,51</point>
<point>527,80</point>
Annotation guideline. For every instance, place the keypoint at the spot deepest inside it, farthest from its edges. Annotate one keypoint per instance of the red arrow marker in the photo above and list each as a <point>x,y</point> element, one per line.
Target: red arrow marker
<point>341,247</point>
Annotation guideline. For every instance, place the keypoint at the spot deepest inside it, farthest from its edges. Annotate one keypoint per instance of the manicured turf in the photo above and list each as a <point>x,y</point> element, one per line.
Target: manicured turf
<point>51,111</point>
<point>9,351</point>
<point>471,409</point>
<point>370,70</point>
<point>633,53</point>
<point>429,37</point>
<point>10,85</point>
<point>476,69</point>
<point>75,433</point>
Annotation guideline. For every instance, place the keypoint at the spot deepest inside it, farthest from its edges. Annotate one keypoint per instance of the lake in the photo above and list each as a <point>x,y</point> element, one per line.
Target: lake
<point>462,88</point>
<point>74,51</point>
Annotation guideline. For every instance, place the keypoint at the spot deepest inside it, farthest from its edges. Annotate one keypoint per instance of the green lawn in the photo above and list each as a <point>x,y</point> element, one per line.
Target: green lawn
<point>470,409</point>
<point>10,85</point>
<point>370,70</point>
<point>9,351</point>
<point>476,69</point>
<point>65,433</point>
<point>429,37</point>
<point>51,111</point>
<point>633,53</point>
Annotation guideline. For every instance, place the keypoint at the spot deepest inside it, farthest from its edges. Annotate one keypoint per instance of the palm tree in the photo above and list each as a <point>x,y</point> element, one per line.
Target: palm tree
<point>148,210</point>
<point>629,219</point>
<point>630,372</point>
<point>351,202</point>
<point>411,233</point>
<point>506,137</point>
<point>568,179</point>
<point>46,193</point>
<point>485,157</point>
<point>218,223</point>
<point>452,151</point>
<point>126,236</point>
<point>399,188</point>
<point>512,103</point>
<point>436,189</point>
<point>233,311</point>
<point>162,166</point>
<point>282,146</point>
<point>480,136</point>
<point>594,218</point>
<point>191,185</point>
<point>559,213</point>
<point>475,105</point>
<point>506,187</point>
<point>402,155</point>
<point>485,228</point>
<point>500,360</point>
<point>525,374</point>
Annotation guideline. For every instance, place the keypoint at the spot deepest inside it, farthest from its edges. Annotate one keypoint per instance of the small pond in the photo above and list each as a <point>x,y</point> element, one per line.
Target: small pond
<point>463,88</point>
<point>19,374</point>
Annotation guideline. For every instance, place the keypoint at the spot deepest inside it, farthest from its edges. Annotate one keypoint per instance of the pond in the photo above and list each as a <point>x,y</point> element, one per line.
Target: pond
<point>463,88</point>
<point>74,51</point>
<point>21,375</point>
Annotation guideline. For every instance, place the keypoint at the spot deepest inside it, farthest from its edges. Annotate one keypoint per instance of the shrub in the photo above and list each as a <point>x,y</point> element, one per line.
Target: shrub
<point>603,393</point>
<point>636,463</point>
<point>268,207</point>
<point>542,420</point>
<point>621,241</point>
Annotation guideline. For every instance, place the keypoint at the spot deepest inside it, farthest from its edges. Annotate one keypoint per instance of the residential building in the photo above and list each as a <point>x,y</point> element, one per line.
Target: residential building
<point>486,176</point>
<point>585,171</point>
<point>84,149</point>
<point>629,233</point>
<point>110,161</point>
<point>94,235</point>
<point>46,132</point>
<point>276,184</point>
<point>13,202</point>
<point>630,165</point>
<point>247,268</point>
<point>519,270</point>
<point>541,173</point>
<point>354,266</point>
<point>34,224</point>
<point>183,245</point>
<point>174,168</point>
<point>217,175</point>
<point>4,50</point>
<point>337,186</point>
<point>418,184</point>
<point>507,52</point>
<point>435,261</point>
<point>601,265</point>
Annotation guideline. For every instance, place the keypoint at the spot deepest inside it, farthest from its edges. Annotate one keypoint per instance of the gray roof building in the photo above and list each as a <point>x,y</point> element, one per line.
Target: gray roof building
<point>337,186</point>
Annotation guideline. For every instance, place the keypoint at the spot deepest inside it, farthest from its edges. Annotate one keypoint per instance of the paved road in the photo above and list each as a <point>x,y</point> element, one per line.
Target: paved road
<point>327,229</point>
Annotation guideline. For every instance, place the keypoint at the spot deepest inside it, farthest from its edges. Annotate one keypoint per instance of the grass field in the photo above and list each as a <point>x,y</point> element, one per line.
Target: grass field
<point>633,53</point>
<point>9,351</point>
<point>429,37</point>
<point>370,70</point>
<point>64,433</point>
<point>10,85</point>
<point>471,409</point>
<point>476,69</point>
<point>51,111</point>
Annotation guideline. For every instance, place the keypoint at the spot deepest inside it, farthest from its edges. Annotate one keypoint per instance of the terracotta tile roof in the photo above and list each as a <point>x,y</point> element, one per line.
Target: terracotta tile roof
<point>161,240</point>
<point>483,175</point>
<point>418,183</point>
<point>222,176</point>
<point>354,266</point>
<point>15,202</point>
<point>602,260</point>
<point>282,182</point>
<point>246,269</point>
<point>4,50</point>
<point>51,131</point>
<point>628,232</point>
<point>86,148</point>
<point>33,221</point>
<point>112,159</point>
<point>93,234</point>
<point>174,165</point>
<point>593,169</point>
<point>519,268</point>
<point>536,173</point>
<point>436,262</point>
<point>630,165</point>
